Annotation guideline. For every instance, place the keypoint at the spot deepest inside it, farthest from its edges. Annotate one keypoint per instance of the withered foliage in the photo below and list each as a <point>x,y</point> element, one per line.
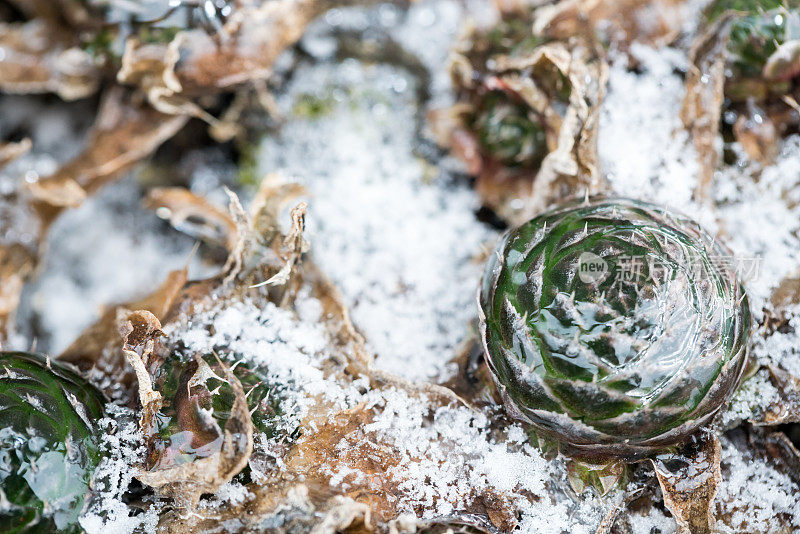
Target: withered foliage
<point>525,124</point>
<point>689,482</point>
<point>65,49</point>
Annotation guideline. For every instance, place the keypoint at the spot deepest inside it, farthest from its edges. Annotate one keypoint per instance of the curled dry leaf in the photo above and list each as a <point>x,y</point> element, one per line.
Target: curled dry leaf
<point>16,265</point>
<point>138,330</point>
<point>193,215</point>
<point>11,151</point>
<point>17,260</point>
<point>757,134</point>
<point>243,50</point>
<point>292,248</point>
<point>702,104</point>
<point>274,193</point>
<point>345,514</point>
<point>780,449</point>
<point>572,168</point>
<point>186,482</point>
<point>35,60</point>
<point>98,345</point>
<point>125,132</point>
<point>787,408</point>
<point>689,483</point>
<point>620,22</point>
<point>59,14</point>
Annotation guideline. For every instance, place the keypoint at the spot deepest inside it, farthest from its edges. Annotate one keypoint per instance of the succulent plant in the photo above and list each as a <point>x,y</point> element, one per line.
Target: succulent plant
<point>613,326</point>
<point>506,127</point>
<point>763,47</point>
<point>197,403</point>
<point>510,131</point>
<point>48,443</point>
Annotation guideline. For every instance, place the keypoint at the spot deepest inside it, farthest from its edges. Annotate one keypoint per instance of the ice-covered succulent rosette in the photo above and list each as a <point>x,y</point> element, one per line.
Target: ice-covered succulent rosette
<point>613,326</point>
<point>198,403</point>
<point>49,446</point>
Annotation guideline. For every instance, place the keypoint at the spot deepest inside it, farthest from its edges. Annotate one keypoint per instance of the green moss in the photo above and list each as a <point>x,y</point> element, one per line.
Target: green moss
<point>311,106</point>
<point>247,173</point>
<point>149,34</point>
<point>100,44</point>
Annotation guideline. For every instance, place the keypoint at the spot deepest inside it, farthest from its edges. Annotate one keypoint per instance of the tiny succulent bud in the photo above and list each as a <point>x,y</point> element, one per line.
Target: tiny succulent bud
<point>198,399</point>
<point>613,326</point>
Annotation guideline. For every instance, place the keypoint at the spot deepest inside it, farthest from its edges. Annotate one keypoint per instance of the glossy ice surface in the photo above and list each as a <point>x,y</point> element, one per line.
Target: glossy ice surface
<point>48,444</point>
<point>613,326</point>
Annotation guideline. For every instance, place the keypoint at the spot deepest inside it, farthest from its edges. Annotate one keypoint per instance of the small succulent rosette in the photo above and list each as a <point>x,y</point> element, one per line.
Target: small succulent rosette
<point>613,326</point>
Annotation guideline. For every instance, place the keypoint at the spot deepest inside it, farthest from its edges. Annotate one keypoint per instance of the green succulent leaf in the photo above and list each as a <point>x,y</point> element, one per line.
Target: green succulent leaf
<point>763,48</point>
<point>48,443</point>
<point>613,326</point>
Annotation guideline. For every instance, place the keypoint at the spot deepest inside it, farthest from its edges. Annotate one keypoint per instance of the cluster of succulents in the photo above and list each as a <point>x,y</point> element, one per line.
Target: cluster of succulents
<point>49,446</point>
<point>615,327</point>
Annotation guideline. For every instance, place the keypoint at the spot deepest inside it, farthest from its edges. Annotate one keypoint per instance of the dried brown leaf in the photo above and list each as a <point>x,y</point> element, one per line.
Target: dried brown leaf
<point>36,60</point>
<point>138,330</point>
<point>654,22</point>
<point>193,215</point>
<point>124,133</point>
<point>98,345</point>
<point>689,483</point>
<point>787,409</point>
<point>59,14</point>
<point>185,483</point>
<point>16,265</point>
<point>241,52</point>
<point>572,168</point>
<point>11,151</point>
<point>702,104</point>
<point>344,514</point>
<point>292,248</point>
<point>757,134</point>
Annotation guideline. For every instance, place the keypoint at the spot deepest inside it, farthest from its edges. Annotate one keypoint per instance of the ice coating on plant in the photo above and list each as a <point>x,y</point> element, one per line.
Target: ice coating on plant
<point>199,402</point>
<point>48,443</point>
<point>613,325</point>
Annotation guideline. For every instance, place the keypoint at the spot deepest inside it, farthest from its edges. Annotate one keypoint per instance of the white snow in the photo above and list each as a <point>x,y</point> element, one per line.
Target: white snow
<point>753,493</point>
<point>395,235</point>
<point>644,150</point>
<point>123,447</point>
<point>398,236</point>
